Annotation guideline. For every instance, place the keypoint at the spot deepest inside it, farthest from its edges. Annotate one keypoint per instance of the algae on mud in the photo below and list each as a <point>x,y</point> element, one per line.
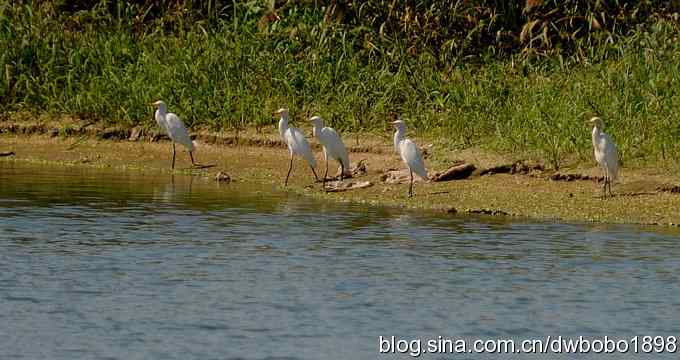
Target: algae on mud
<point>639,199</point>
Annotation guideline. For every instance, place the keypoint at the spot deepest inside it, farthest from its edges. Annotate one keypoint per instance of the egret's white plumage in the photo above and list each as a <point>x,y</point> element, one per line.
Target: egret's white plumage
<point>606,154</point>
<point>175,129</point>
<point>297,144</point>
<point>410,154</point>
<point>333,147</point>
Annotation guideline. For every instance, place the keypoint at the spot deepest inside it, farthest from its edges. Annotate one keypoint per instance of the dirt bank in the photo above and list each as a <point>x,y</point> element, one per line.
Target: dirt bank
<point>643,196</point>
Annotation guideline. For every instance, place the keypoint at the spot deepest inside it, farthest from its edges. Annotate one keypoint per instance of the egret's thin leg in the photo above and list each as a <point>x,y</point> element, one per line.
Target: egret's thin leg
<point>606,184</point>
<point>342,171</point>
<point>325,174</point>
<point>410,188</point>
<point>610,189</point>
<point>173,154</point>
<point>316,178</point>
<point>191,155</point>
<point>290,168</point>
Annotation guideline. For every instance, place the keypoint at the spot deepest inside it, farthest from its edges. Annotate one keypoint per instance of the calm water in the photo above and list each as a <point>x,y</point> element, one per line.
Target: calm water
<point>106,265</point>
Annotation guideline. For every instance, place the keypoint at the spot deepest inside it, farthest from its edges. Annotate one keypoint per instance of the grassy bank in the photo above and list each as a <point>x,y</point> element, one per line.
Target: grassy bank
<point>224,66</point>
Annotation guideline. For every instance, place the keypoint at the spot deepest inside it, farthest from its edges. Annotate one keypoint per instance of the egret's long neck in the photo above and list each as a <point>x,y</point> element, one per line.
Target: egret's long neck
<point>597,133</point>
<point>283,125</point>
<point>398,137</point>
<point>160,115</point>
<point>316,130</point>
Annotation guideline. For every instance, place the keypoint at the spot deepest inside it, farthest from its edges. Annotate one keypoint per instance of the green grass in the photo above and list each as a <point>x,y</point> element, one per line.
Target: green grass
<point>232,73</point>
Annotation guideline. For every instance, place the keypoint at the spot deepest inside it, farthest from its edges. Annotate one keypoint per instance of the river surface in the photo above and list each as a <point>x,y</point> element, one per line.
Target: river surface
<point>102,264</point>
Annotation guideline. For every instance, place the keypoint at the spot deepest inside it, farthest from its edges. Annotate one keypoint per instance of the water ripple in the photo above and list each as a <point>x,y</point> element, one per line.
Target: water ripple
<point>123,265</point>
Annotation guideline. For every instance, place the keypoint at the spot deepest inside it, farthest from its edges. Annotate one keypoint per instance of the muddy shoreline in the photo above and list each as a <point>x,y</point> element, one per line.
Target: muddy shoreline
<point>496,186</point>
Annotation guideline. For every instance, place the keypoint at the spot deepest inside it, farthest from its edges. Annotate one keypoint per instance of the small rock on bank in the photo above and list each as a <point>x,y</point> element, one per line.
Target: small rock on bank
<point>339,186</point>
<point>456,172</point>
<point>222,177</point>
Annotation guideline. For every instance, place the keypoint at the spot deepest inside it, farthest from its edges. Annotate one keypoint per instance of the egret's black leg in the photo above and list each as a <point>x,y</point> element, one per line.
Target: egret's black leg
<point>325,174</point>
<point>410,188</point>
<point>290,168</point>
<point>191,155</point>
<point>173,154</point>
<point>316,178</point>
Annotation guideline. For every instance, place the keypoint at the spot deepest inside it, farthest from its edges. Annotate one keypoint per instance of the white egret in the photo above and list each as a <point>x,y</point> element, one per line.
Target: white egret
<point>297,144</point>
<point>333,147</point>
<point>409,153</point>
<point>606,154</point>
<point>175,129</point>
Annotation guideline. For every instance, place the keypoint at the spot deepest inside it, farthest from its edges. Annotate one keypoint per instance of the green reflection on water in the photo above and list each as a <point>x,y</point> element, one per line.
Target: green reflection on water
<point>45,185</point>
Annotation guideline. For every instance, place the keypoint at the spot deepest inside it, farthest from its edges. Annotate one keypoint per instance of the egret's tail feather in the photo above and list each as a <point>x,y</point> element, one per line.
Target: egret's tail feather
<point>611,170</point>
<point>422,173</point>
<point>612,174</point>
<point>344,160</point>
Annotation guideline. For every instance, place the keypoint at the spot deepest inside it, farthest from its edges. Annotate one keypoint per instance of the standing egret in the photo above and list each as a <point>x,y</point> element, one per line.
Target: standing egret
<point>409,153</point>
<point>333,147</point>
<point>297,144</point>
<point>606,154</point>
<point>175,129</point>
